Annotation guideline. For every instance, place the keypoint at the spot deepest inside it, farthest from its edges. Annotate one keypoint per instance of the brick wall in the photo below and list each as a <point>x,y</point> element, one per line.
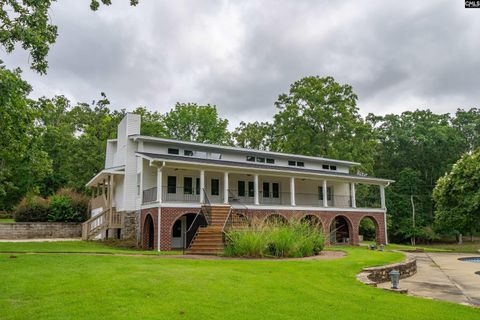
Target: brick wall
<point>40,230</point>
<point>168,216</point>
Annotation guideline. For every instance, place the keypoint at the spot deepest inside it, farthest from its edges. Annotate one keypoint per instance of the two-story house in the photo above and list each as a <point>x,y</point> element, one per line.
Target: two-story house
<point>171,194</point>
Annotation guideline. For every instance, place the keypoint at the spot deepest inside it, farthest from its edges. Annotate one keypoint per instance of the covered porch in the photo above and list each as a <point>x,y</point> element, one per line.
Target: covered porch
<point>184,183</point>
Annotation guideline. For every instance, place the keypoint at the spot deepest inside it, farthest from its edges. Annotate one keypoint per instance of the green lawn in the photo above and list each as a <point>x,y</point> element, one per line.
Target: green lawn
<point>73,246</point>
<point>7,220</point>
<point>119,287</point>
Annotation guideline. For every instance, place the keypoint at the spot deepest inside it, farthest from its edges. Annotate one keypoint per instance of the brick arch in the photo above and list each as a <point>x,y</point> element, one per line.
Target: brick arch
<point>148,232</point>
<point>351,226</point>
<point>379,227</point>
<point>176,217</point>
<point>317,216</point>
<point>268,216</point>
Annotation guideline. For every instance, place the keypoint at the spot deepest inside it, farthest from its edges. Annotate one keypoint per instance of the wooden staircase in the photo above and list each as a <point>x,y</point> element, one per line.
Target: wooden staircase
<point>209,239</point>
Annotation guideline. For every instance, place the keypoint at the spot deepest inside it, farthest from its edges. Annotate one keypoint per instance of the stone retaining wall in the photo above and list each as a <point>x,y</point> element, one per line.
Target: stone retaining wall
<point>374,275</point>
<point>40,230</point>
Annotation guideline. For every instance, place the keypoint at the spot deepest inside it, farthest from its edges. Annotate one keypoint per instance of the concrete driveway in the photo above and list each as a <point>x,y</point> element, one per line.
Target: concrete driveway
<point>442,276</point>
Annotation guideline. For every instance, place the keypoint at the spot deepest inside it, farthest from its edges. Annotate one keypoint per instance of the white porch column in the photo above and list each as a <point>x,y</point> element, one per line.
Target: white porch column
<point>325,200</point>
<point>255,190</point>
<point>159,184</point>
<point>202,186</point>
<point>382,196</point>
<point>292,191</point>
<point>352,194</point>
<point>225,187</point>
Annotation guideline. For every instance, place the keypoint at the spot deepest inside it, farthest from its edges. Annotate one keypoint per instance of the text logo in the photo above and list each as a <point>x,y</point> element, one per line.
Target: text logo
<point>472,3</point>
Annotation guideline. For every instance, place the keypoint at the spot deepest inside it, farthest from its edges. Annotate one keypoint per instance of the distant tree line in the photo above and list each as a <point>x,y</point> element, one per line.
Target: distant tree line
<point>49,143</point>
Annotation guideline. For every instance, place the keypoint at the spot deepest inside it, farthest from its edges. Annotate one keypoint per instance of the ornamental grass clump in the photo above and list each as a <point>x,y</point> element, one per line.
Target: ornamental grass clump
<point>275,239</point>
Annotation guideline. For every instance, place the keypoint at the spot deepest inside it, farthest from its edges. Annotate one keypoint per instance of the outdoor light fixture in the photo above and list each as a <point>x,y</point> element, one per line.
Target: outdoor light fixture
<point>394,277</point>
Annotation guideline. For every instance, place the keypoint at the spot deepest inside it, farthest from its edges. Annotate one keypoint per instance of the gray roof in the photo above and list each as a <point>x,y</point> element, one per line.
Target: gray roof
<point>251,165</point>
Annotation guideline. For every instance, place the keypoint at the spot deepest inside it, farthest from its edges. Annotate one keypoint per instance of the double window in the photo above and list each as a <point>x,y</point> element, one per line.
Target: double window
<point>329,193</point>
<point>329,167</point>
<point>296,163</point>
<point>271,190</point>
<point>243,191</point>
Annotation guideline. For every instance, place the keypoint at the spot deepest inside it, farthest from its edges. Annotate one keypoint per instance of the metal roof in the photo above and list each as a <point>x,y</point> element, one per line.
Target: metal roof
<point>243,150</point>
<point>284,169</point>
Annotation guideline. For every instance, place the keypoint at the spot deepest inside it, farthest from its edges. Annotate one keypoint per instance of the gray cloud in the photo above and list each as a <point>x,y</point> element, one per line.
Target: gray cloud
<point>241,55</point>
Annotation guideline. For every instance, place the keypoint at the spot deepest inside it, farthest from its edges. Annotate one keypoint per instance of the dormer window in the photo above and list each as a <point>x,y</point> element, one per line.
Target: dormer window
<point>270,160</point>
<point>188,153</point>
<point>329,167</point>
<point>296,163</point>
<point>173,151</point>
<point>333,167</point>
<point>251,158</point>
<point>325,166</point>
<point>261,159</point>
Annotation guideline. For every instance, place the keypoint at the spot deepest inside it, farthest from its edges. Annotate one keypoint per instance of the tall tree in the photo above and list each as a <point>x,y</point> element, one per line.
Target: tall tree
<point>427,145</point>
<point>22,162</point>
<point>319,117</point>
<point>254,135</point>
<point>191,122</point>
<point>457,196</point>
<point>468,124</point>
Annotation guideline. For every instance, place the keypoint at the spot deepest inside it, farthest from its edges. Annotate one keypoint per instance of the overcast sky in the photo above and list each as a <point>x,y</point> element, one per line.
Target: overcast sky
<point>397,55</point>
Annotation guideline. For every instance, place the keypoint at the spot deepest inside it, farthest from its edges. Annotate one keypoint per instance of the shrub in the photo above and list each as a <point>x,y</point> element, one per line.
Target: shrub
<point>32,209</point>
<point>78,202</point>
<point>279,240</point>
<point>68,206</point>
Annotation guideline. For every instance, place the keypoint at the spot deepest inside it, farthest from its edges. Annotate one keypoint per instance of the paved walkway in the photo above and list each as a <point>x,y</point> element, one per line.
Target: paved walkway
<point>442,276</point>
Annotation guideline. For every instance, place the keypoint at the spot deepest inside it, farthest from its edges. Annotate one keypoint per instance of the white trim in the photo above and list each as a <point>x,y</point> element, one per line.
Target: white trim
<point>150,205</point>
<point>272,172</point>
<point>243,150</point>
<point>268,207</point>
<point>113,170</point>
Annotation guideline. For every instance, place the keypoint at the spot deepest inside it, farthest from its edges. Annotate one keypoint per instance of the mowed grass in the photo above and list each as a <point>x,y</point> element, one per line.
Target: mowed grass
<point>7,220</point>
<point>147,287</point>
<point>73,247</point>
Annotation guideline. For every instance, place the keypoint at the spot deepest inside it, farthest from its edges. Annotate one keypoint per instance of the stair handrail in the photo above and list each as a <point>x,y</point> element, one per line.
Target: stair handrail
<point>207,205</point>
<point>230,212</point>
<point>86,225</point>
<point>199,213</point>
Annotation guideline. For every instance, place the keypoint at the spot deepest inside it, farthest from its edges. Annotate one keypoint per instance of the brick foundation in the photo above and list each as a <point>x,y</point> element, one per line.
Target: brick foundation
<point>170,215</point>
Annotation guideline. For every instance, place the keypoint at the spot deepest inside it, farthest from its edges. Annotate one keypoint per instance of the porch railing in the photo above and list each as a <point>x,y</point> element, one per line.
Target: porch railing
<point>192,195</point>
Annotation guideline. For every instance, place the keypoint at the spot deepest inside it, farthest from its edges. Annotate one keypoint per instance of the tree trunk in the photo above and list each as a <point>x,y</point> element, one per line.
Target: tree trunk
<point>460,238</point>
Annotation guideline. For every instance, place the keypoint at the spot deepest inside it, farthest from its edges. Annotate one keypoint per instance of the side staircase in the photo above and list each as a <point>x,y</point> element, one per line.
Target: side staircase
<point>99,225</point>
<point>209,240</point>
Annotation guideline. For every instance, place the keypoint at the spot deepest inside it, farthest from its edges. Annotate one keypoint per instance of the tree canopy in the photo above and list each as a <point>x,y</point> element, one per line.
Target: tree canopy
<point>319,117</point>
<point>457,196</point>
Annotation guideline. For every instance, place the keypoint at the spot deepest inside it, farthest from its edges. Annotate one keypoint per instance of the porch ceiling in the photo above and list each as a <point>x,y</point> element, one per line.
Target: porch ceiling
<point>250,168</point>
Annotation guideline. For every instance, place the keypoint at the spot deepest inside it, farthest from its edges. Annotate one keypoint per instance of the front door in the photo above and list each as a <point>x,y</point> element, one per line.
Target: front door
<point>178,232</point>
